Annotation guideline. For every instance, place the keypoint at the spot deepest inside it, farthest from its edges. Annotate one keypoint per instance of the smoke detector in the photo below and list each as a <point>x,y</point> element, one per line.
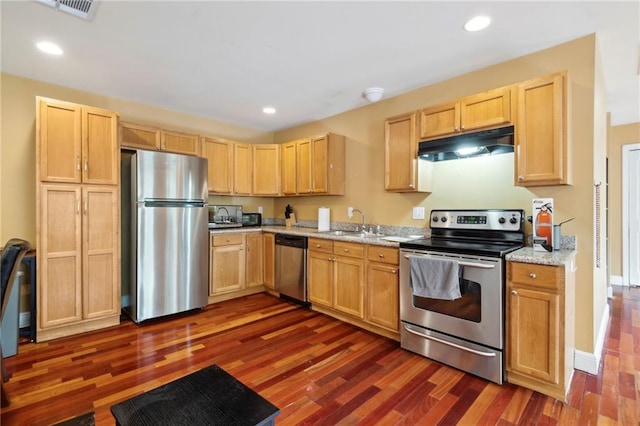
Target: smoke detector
<point>84,9</point>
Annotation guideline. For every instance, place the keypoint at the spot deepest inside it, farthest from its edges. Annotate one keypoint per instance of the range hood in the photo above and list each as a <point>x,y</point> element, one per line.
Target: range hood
<point>486,142</point>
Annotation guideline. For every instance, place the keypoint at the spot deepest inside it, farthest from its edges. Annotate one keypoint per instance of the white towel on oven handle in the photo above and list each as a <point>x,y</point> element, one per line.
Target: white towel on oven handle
<point>435,278</point>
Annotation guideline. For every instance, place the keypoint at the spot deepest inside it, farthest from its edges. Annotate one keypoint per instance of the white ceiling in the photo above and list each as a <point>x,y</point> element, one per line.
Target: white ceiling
<point>310,60</point>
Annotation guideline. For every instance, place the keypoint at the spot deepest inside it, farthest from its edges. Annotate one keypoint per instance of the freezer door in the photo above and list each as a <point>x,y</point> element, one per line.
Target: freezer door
<point>161,175</point>
<point>172,260</point>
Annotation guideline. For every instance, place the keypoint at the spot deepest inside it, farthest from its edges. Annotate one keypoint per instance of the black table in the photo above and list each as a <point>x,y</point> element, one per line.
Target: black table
<point>210,396</point>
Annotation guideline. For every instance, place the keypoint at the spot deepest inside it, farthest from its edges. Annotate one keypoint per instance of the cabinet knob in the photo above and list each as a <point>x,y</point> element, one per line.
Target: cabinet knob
<point>514,292</point>
<point>520,178</point>
<point>241,248</point>
<point>346,250</point>
<point>78,162</point>
<point>394,271</point>
<point>462,127</point>
<point>318,246</point>
<point>227,240</point>
<point>381,255</point>
<point>532,276</point>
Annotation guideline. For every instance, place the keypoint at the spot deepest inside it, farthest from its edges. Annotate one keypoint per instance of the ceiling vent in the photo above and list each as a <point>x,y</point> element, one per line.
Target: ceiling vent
<point>84,9</point>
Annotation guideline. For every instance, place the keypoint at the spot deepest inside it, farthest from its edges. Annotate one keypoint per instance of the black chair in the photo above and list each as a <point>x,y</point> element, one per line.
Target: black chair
<point>12,255</point>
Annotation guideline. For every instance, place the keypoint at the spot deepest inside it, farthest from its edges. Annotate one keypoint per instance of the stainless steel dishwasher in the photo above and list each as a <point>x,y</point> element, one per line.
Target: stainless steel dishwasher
<point>291,267</point>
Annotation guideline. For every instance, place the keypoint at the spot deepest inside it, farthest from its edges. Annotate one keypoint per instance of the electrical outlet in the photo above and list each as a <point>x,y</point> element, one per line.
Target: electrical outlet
<point>260,209</point>
<point>350,212</point>
<point>418,213</point>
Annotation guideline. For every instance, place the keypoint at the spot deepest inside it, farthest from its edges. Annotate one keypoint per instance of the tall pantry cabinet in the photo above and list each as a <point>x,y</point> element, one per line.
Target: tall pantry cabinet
<point>77,218</point>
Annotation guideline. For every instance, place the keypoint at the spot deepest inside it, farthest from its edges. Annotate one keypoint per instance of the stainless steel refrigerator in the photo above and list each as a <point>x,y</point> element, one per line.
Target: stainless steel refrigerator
<point>165,249</point>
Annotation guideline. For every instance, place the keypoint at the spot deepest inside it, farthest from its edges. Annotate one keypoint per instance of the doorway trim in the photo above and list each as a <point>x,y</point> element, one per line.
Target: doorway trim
<point>626,150</point>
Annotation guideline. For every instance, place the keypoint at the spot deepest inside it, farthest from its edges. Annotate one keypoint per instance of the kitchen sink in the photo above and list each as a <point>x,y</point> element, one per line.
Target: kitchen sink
<point>354,234</point>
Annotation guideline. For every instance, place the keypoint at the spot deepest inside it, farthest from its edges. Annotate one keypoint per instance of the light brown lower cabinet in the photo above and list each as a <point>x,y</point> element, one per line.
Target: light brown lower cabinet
<point>540,327</point>
<point>382,298</point>
<point>235,265</point>
<point>269,259</point>
<point>78,259</point>
<point>343,281</point>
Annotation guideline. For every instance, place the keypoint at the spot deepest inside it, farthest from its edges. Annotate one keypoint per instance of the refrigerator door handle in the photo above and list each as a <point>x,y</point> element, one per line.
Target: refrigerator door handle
<point>174,203</point>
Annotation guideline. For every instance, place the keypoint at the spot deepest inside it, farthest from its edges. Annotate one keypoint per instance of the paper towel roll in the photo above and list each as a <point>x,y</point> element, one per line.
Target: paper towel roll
<point>324,219</point>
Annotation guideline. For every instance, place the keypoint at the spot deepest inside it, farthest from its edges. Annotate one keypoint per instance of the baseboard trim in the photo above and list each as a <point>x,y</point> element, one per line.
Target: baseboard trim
<point>615,280</point>
<point>590,362</point>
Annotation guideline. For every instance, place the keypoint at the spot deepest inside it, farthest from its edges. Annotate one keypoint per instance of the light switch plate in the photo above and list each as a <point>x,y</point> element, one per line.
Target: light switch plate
<point>418,213</point>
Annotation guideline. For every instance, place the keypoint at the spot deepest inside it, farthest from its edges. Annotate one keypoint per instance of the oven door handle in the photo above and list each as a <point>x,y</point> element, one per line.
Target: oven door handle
<point>444,342</point>
<point>467,264</point>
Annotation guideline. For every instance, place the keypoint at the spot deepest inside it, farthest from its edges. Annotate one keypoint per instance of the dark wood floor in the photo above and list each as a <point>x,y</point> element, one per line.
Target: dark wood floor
<point>317,370</point>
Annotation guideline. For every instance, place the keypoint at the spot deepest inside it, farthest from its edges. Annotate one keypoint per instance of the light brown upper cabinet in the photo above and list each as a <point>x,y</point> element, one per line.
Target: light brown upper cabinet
<point>288,168</point>
<point>180,143</point>
<point>541,132</point>
<point>314,166</point>
<point>484,110</point>
<point>78,143</point>
<point>266,169</point>
<point>242,168</point>
<point>219,153</point>
<point>148,137</point>
<point>403,171</point>
<point>139,136</point>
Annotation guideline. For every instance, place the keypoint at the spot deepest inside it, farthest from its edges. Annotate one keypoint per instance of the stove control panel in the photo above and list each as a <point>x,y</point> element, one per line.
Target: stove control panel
<point>503,220</point>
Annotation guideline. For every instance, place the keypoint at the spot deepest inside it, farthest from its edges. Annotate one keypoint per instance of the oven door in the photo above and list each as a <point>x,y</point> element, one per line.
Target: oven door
<point>476,317</point>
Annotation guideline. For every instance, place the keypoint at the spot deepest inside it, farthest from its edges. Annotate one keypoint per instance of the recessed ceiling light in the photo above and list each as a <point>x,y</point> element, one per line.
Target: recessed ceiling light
<point>477,23</point>
<point>50,48</point>
<point>269,110</point>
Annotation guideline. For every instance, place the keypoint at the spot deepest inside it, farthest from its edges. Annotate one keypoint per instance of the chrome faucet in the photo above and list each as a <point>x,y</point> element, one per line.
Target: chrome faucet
<point>363,227</point>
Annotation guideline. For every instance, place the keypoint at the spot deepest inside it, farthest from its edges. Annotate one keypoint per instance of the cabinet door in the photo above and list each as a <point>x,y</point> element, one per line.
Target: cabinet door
<point>59,256</point>
<point>382,296</point>
<point>268,255</point>
<point>58,126</point>
<point>266,169</point>
<point>320,278</point>
<point>534,333</point>
<point>180,143</point>
<point>242,168</point>
<point>100,152</point>
<point>440,120</point>
<point>254,259</point>
<point>401,150</point>
<point>348,285</point>
<point>304,166</point>
<point>541,136</point>
<point>227,268</point>
<point>288,168</point>
<point>320,164</point>
<point>138,136</point>
<point>100,253</point>
<point>219,153</point>
<point>486,109</point>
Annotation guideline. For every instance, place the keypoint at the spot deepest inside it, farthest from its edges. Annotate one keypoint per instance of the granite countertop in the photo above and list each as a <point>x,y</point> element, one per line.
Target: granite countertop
<point>563,257</point>
<point>311,232</point>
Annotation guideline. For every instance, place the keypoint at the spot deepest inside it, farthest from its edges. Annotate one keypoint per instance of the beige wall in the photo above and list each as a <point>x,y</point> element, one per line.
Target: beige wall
<point>476,183</point>
<point>619,136</point>
<point>17,161</point>
<point>471,183</point>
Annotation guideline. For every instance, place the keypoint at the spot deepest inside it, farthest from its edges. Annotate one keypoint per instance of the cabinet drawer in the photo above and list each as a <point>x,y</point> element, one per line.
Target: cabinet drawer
<point>348,249</point>
<point>226,240</point>
<point>382,254</point>
<point>550,277</point>
<point>320,245</point>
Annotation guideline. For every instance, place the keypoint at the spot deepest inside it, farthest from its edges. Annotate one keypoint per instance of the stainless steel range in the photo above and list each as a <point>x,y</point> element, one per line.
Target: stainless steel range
<point>465,329</point>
